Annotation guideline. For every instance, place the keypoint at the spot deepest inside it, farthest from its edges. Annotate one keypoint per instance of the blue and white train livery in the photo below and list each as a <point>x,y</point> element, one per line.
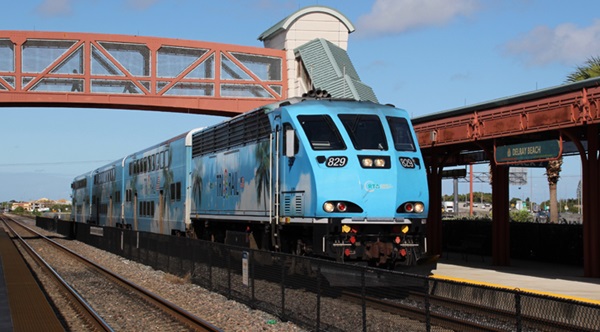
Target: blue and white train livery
<point>324,177</point>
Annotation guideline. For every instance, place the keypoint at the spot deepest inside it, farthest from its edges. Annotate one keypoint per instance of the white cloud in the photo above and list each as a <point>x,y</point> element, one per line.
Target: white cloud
<point>567,44</point>
<point>54,8</point>
<point>396,16</point>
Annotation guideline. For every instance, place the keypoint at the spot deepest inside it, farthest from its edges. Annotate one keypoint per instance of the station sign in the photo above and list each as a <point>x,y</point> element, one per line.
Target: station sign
<point>529,152</point>
<point>454,173</point>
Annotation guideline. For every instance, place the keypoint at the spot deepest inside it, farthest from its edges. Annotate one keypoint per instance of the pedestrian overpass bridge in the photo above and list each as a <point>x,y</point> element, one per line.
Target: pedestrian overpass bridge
<point>64,69</point>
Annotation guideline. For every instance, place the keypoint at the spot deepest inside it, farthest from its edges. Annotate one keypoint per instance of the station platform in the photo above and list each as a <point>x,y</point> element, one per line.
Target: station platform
<point>23,304</point>
<point>562,281</point>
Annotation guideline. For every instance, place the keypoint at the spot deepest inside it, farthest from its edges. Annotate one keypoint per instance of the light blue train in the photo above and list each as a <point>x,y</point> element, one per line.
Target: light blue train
<point>332,178</point>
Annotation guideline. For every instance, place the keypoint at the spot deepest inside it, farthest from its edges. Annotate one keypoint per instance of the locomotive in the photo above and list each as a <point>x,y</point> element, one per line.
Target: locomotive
<point>324,177</point>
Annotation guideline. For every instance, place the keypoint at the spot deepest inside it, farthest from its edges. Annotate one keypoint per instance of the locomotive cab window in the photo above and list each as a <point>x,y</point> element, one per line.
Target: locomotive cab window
<point>322,133</point>
<point>365,131</point>
<point>403,140</point>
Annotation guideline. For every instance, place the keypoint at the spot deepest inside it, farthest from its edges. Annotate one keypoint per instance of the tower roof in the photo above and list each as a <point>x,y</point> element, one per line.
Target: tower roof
<point>289,20</point>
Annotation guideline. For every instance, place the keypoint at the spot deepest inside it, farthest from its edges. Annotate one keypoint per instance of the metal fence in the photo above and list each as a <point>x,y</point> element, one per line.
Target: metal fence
<point>323,295</point>
<point>551,243</point>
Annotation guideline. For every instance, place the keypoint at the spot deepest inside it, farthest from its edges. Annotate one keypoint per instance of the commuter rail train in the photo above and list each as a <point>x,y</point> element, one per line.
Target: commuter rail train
<point>341,179</point>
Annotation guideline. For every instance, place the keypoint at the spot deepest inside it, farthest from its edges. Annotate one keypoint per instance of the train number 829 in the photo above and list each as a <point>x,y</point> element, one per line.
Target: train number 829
<point>336,161</point>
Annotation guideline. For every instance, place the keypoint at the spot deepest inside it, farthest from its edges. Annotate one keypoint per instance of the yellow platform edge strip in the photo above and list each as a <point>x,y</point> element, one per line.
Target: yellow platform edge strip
<point>474,282</point>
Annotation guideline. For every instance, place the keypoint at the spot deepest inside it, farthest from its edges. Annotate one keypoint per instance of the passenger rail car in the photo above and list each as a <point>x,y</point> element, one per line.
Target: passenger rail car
<point>324,177</point>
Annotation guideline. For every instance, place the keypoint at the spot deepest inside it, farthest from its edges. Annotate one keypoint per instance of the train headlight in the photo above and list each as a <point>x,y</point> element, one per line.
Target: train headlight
<point>367,162</point>
<point>374,161</point>
<point>409,207</point>
<point>341,207</point>
<point>419,207</point>
<point>328,207</point>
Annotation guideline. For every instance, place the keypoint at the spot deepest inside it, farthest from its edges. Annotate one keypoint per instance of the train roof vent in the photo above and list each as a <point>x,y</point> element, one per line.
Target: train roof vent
<point>249,127</point>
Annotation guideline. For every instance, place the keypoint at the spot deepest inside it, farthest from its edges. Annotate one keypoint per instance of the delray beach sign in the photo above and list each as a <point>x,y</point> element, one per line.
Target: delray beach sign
<point>528,152</point>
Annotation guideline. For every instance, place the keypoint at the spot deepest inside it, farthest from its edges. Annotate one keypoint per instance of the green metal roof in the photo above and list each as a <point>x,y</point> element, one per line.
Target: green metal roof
<point>286,22</point>
<point>331,69</point>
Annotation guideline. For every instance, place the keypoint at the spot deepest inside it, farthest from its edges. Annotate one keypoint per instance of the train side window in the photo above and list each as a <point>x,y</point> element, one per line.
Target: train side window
<point>322,132</point>
<point>176,191</point>
<point>291,141</point>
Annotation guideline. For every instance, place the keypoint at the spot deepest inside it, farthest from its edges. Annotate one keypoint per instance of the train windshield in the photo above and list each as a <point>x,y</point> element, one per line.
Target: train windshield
<point>321,132</point>
<point>403,140</point>
<point>365,131</point>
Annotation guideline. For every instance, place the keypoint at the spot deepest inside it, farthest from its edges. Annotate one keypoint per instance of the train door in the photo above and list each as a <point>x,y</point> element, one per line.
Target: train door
<point>285,199</point>
<point>82,216</point>
<point>110,211</point>
<point>135,212</point>
<point>96,210</point>
<point>160,211</point>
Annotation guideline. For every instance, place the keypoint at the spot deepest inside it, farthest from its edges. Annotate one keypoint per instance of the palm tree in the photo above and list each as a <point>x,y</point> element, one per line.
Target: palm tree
<point>553,173</point>
<point>589,70</point>
<point>263,171</point>
<point>197,185</point>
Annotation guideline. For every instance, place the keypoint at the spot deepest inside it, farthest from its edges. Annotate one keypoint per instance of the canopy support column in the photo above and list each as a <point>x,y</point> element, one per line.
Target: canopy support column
<point>500,216</point>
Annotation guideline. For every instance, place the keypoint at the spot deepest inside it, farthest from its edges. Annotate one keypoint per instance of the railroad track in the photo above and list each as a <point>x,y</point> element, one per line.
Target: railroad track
<point>103,300</point>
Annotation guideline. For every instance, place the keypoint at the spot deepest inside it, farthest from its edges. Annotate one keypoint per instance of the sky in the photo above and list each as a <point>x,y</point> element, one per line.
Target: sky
<point>425,56</point>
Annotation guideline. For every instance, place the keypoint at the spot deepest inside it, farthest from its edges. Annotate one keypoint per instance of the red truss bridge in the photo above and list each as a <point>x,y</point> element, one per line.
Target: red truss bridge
<point>64,69</point>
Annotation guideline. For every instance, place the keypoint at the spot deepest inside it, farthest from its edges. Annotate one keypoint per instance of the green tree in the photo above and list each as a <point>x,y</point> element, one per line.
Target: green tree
<point>521,216</point>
